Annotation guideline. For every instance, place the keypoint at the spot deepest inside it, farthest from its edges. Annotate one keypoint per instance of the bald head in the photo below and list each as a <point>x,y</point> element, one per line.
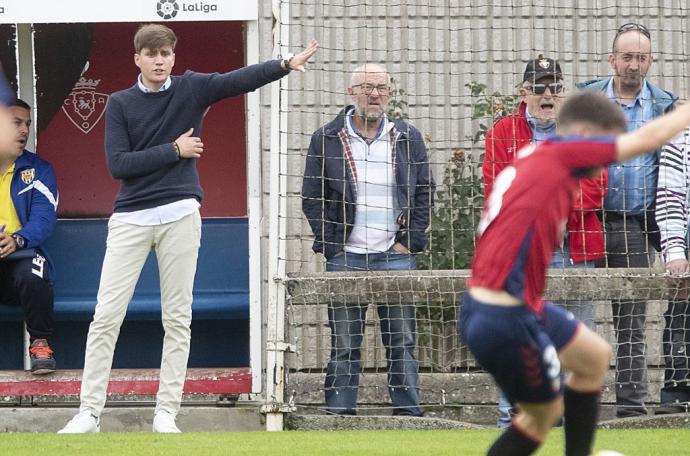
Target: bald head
<point>363,72</point>
<point>632,38</point>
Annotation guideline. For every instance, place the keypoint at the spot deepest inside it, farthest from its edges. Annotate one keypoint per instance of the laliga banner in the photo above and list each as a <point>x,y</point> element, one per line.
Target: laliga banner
<point>71,11</point>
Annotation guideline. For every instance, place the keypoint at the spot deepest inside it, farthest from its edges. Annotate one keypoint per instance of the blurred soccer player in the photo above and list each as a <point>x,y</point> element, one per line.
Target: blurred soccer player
<point>542,92</point>
<point>516,336</point>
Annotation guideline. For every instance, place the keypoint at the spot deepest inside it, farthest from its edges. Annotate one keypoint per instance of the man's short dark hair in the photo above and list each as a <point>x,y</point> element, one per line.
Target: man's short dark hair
<point>21,104</point>
<point>153,37</point>
<point>591,108</point>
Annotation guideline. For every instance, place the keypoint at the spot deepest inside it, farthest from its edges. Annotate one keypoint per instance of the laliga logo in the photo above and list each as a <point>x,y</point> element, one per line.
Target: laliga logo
<point>168,9</point>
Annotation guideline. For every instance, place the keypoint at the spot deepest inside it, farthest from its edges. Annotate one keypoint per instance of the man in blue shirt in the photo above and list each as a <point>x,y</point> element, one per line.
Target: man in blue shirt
<point>629,226</point>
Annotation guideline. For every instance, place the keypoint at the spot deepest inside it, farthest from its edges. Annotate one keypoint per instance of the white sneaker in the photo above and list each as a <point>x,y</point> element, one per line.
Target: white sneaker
<point>164,422</point>
<point>82,423</point>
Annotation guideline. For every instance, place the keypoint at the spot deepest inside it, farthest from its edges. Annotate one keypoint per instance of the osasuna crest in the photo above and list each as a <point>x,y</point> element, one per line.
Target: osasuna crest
<point>84,107</point>
<point>28,175</point>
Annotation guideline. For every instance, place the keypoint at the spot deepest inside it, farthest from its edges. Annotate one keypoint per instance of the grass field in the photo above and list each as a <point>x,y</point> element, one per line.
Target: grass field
<point>665,442</point>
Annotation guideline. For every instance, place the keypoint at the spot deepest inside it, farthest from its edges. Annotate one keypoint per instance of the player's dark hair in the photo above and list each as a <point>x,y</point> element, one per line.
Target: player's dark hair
<point>153,37</point>
<point>21,104</point>
<point>591,108</point>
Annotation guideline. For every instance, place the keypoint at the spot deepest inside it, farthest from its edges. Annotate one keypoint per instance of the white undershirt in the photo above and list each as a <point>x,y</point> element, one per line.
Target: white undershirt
<point>375,224</point>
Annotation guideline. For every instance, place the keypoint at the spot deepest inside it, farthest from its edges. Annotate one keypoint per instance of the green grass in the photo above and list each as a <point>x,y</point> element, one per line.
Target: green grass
<point>666,442</point>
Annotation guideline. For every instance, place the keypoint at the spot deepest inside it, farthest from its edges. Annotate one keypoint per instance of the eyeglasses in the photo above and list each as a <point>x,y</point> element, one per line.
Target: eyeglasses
<point>554,87</point>
<point>633,26</point>
<point>369,88</point>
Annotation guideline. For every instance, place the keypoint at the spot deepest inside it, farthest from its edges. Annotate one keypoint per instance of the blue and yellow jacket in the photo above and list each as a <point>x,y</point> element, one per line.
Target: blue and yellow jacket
<point>35,197</point>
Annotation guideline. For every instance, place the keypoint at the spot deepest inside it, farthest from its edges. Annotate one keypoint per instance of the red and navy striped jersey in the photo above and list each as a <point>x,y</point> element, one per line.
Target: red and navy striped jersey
<point>525,215</point>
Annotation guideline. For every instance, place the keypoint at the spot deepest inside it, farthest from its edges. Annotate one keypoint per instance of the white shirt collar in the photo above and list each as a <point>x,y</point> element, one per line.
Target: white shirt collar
<point>385,127</point>
<point>143,88</point>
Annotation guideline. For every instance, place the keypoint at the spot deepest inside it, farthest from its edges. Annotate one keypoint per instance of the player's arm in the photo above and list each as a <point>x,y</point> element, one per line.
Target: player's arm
<point>652,135</point>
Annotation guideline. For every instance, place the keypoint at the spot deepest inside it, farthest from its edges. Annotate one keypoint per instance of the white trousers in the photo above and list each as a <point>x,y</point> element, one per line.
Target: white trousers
<point>176,246</point>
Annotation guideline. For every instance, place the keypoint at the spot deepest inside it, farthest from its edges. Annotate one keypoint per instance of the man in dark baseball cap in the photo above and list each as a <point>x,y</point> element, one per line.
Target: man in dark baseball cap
<point>542,67</point>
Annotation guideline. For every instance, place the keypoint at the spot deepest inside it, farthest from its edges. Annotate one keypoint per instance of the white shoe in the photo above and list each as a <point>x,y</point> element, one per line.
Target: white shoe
<point>82,423</point>
<point>164,422</point>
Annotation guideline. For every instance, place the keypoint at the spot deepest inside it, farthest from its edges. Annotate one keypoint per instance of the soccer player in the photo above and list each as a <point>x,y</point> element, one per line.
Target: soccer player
<point>513,333</point>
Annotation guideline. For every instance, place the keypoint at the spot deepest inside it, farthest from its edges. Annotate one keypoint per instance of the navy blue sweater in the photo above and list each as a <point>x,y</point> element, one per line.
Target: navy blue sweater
<point>140,129</point>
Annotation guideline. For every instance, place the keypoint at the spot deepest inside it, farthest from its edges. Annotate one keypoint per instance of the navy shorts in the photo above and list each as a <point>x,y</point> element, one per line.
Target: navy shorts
<point>517,347</point>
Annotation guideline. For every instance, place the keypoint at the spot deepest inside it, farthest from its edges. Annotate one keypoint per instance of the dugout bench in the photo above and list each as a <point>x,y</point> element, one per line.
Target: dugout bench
<point>220,327</point>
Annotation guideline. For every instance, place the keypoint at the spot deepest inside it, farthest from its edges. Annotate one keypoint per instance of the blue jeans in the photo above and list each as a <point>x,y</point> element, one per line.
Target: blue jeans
<point>398,330</point>
<point>582,310</point>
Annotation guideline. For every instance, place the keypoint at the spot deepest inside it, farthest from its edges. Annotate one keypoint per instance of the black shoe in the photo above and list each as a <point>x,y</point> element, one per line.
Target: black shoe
<point>672,407</point>
<point>631,413</point>
<point>42,361</point>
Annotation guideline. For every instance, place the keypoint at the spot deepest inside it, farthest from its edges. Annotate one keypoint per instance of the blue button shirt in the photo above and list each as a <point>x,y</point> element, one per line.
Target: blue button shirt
<point>632,184</point>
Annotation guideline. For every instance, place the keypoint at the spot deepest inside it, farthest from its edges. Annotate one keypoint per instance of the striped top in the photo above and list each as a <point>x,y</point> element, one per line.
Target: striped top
<point>672,197</point>
<point>373,170</point>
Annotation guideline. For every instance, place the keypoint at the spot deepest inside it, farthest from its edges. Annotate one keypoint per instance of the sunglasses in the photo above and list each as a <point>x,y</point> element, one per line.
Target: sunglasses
<point>633,26</point>
<point>554,87</point>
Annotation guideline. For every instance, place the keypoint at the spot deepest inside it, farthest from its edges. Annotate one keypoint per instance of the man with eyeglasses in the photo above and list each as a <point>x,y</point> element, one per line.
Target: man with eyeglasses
<point>631,233</point>
<point>542,93</point>
<point>367,195</point>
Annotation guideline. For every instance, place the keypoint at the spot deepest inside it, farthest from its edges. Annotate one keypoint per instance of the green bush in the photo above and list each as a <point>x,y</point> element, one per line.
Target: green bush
<point>459,197</point>
<point>458,201</point>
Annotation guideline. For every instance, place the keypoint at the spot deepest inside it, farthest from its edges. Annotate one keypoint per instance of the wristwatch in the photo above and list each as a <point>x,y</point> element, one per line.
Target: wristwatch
<point>286,61</point>
<point>21,242</point>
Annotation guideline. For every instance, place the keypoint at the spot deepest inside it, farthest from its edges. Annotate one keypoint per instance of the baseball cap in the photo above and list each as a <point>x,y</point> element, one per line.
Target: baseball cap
<point>541,67</point>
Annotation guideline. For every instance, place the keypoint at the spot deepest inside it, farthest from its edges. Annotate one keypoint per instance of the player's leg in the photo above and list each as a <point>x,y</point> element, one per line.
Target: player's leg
<point>177,250</point>
<point>586,357</point>
<point>530,426</point>
<point>509,343</point>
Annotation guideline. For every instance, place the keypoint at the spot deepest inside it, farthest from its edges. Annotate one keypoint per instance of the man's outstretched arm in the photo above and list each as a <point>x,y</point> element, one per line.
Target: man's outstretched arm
<point>653,135</point>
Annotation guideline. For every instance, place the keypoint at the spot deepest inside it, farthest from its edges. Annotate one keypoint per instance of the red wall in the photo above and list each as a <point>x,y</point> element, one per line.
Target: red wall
<point>86,187</point>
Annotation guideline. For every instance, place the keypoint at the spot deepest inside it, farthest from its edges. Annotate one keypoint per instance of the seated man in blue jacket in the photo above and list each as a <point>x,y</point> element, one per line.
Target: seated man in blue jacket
<point>367,194</point>
<point>28,203</point>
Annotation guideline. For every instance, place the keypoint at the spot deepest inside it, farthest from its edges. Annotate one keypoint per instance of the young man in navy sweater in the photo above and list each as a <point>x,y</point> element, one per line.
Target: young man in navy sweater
<point>151,147</point>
